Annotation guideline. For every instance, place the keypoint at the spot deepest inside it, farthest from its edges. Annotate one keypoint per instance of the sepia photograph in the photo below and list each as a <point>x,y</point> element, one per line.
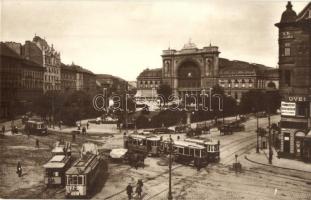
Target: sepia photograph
<point>155,99</point>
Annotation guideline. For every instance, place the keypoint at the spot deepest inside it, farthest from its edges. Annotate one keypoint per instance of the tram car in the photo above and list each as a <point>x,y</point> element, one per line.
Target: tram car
<point>188,152</point>
<point>35,127</point>
<point>212,148</point>
<point>56,167</point>
<point>83,175</point>
<point>55,170</point>
<point>146,144</point>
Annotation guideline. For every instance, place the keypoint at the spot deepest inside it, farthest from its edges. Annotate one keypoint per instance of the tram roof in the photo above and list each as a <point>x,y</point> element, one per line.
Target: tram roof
<point>201,141</point>
<point>84,164</point>
<point>148,137</point>
<point>58,161</point>
<point>188,144</point>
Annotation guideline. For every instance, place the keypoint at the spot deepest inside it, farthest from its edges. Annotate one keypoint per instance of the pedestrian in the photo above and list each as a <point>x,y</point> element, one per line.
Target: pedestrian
<point>84,130</point>
<point>178,137</point>
<point>87,125</point>
<point>60,125</point>
<point>37,143</point>
<point>79,125</point>
<point>140,183</point>
<point>129,191</point>
<point>139,191</point>
<point>3,129</point>
<point>73,136</point>
<point>19,169</point>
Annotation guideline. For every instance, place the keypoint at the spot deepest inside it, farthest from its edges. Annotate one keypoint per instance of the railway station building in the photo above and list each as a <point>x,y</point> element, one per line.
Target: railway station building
<point>193,71</point>
<point>295,82</point>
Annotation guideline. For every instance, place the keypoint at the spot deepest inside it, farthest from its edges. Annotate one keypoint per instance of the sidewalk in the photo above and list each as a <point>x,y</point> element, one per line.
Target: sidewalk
<point>94,129</point>
<point>263,158</point>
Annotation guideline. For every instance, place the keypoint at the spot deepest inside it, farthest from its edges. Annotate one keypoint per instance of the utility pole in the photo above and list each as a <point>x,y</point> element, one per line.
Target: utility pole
<point>269,128</point>
<point>223,110</point>
<point>257,132</point>
<point>170,197</point>
<point>270,145</point>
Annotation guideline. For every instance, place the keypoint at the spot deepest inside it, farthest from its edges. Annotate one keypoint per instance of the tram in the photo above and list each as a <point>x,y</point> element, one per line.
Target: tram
<point>188,152</point>
<point>55,170</point>
<point>56,167</point>
<point>146,144</point>
<point>212,148</point>
<point>35,127</point>
<point>84,173</point>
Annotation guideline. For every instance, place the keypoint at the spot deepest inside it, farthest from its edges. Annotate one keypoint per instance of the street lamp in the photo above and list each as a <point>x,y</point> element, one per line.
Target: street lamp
<point>170,197</point>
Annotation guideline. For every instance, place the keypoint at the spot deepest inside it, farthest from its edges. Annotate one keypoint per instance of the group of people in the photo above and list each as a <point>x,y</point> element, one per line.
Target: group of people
<point>138,191</point>
<point>83,128</point>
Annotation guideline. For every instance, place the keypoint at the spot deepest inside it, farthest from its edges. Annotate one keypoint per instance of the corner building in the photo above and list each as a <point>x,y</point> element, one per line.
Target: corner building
<point>295,82</point>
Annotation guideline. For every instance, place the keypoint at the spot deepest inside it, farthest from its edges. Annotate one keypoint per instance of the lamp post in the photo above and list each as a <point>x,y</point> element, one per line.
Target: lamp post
<point>170,197</point>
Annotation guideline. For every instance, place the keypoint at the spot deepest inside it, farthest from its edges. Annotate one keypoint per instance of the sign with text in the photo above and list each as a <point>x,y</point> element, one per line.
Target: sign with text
<point>297,98</point>
<point>288,108</point>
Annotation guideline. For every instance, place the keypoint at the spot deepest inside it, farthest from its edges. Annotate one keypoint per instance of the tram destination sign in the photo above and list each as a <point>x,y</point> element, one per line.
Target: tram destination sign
<point>288,108</point>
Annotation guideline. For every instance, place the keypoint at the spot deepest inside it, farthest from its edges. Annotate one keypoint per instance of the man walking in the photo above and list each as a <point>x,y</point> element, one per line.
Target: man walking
<point>129,191</point>
<point>19,169</point>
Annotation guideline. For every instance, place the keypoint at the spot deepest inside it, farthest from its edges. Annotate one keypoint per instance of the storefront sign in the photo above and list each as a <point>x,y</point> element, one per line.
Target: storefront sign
<point>297,98</point>
<point>288,108</point>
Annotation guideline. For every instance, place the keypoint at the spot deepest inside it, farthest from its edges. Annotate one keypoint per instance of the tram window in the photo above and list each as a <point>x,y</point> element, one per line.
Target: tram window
<point>192,152</point>
<point>197,152</point>
<point>69,180</point>
<point>74,180</point>
<point>56,173</point>
<point>80,180</point>
<point>180,150</point>
<point>186,150</point>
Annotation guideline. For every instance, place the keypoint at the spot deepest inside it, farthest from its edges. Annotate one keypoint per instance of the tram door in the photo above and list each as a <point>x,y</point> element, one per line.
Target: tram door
<point>286,142</point>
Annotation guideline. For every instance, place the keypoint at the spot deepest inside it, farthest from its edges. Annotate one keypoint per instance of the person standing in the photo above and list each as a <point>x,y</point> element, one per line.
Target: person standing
<point>37,143</point>
<point>129,191</point>
<point>19,169</point>
<point>139,190</point>
<point>84,131</point>
<point>87,125</point>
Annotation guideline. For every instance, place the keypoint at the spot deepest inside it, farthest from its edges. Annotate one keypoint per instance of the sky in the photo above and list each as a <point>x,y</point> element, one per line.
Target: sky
<point>122,38</point>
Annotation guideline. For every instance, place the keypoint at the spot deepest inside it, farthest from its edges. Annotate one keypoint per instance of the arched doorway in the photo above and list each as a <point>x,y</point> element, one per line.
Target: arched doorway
<point>189,75</point>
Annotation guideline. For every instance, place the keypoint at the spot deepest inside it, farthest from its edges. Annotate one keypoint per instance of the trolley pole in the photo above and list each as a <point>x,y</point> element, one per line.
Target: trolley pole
<point>170,197</point>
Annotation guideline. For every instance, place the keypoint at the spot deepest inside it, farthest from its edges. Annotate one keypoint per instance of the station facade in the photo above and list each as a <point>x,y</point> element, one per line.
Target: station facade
<point>193,71</point>
<point>295,82</point>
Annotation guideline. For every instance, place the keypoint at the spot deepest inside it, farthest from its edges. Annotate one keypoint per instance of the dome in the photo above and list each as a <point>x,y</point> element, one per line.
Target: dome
<point>289,15</point>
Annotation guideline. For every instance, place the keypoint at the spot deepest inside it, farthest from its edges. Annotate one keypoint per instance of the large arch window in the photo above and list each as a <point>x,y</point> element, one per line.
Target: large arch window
<point>189,75</point>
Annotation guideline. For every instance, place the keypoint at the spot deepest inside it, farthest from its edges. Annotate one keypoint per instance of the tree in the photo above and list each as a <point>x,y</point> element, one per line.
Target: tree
<point>164,91</point>
<point>258,100</point>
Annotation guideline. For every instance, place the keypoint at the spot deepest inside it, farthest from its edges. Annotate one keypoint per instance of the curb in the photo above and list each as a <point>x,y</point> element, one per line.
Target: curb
<point>275,166</point>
